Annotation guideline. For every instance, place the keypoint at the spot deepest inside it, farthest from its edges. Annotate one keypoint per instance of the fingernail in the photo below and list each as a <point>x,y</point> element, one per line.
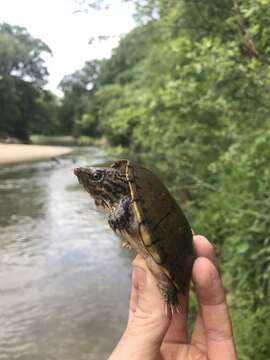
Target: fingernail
<point>140,276</point>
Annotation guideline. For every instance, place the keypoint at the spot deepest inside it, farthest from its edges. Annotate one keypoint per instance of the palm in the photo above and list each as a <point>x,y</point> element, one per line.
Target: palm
<point>176,345</point>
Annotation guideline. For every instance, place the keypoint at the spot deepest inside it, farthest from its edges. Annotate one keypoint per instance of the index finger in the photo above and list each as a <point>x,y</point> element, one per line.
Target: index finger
<point>215,315</point>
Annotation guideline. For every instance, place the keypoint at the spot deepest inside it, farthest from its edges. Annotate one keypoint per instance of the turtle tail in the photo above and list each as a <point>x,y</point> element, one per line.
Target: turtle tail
<point>170,296</point>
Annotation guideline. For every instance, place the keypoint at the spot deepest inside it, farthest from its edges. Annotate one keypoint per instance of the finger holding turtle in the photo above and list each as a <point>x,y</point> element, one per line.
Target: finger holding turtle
<point>150,335</point>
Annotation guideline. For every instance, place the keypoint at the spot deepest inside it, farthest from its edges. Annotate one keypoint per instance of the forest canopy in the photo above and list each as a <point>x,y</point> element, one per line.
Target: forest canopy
<point>25,106</point>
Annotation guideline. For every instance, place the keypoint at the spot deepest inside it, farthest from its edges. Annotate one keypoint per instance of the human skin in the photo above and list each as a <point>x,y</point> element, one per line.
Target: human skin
<point>152,335</point>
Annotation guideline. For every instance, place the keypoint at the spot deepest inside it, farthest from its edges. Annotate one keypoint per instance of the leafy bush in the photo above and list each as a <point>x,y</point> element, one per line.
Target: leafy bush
<point>193,102</point>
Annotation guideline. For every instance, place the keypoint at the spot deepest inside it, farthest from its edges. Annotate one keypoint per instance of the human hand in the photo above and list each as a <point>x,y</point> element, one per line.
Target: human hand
<point>153,335</point>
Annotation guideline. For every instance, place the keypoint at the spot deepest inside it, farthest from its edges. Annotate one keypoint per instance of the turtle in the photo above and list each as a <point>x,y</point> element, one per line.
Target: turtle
<point>143,213</point>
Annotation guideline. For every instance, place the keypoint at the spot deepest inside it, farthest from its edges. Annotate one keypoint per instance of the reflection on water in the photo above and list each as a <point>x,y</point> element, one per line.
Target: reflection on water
<point>64,279</point>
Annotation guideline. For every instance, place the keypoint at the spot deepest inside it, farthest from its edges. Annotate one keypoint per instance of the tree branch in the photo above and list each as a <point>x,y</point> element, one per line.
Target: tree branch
<point>249,43</point>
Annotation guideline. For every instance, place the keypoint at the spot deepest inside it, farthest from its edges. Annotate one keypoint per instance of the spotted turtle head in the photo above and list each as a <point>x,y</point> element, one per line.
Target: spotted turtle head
<point>106,185</point>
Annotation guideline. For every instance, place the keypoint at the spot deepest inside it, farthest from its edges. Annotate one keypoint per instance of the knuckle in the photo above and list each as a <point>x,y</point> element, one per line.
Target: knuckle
<point>218,334</point>
<point>149,319</point>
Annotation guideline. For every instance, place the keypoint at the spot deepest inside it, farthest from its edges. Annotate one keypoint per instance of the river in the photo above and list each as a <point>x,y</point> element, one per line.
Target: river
<point>64,277</point>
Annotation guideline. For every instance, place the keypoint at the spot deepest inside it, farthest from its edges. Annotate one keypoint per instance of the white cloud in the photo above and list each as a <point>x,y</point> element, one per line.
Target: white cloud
<point>67,33</point>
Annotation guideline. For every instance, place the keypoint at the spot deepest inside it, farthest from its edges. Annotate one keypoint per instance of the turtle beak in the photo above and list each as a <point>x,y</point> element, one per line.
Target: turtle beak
<point>77,171</point>
<point>81,175</point>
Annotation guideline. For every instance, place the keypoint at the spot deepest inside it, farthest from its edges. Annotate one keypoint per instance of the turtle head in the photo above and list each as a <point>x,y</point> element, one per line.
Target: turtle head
<point>105,185</point>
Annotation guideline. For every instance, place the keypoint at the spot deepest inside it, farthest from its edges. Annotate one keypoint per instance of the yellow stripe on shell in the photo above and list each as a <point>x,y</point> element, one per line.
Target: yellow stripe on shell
<point>146,237</point>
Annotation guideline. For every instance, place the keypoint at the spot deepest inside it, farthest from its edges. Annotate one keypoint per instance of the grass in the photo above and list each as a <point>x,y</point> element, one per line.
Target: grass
<point>64,140</point>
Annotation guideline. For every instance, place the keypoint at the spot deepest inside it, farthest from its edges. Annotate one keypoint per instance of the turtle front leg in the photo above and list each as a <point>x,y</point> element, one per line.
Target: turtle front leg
<point>120,215</point>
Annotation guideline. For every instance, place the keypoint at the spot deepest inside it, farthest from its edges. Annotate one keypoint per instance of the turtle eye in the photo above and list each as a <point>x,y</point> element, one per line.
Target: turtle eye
<point>97,176</point>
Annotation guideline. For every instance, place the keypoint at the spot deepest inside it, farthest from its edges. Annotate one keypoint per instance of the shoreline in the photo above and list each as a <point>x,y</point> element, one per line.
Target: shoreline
<point>18,153</point>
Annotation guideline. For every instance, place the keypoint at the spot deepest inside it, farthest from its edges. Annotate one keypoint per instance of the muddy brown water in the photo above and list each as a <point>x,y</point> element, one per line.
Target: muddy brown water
<point>64,278</point>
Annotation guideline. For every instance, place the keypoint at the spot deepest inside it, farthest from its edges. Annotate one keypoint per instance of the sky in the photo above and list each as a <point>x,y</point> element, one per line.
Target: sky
<point>67,32</point>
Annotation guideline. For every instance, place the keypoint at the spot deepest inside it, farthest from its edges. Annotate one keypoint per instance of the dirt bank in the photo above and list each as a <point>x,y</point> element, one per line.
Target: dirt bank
<point>15,153</point>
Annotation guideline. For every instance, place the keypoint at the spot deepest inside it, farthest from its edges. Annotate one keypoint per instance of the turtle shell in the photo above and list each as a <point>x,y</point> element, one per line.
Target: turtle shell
<point>163,229</point>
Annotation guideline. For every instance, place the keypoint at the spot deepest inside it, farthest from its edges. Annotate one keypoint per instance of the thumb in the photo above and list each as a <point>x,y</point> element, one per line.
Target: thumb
<point>148,321</point>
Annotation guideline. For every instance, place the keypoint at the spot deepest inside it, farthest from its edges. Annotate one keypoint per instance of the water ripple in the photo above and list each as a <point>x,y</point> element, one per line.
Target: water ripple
<point>64,279</point>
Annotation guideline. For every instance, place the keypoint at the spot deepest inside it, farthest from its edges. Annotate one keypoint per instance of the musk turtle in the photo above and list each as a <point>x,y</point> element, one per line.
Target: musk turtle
<point>143,213</point>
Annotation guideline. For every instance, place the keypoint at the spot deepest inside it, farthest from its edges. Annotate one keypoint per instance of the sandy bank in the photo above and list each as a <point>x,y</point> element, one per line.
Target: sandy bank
<point>15,153</point>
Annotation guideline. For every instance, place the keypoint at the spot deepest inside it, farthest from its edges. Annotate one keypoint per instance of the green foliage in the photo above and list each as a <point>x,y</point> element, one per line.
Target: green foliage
<point>45,118</point>
<point>22,75</point>
<point>87,141</point>
<point>20,55</point>
<point>64,140</point>
<point>53,140</point>
<point>77,115</point>
<point>86,91</point>
<point>236,216</point>
<point>187,92</point>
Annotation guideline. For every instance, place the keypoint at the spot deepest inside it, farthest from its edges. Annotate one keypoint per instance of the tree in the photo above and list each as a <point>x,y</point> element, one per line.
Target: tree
<point>21,55</point>
<point>22,75</point>
<point>78,87</point>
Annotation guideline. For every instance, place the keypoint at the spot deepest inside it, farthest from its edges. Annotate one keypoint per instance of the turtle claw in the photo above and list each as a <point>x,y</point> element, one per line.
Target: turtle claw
<point>170,300</point>
<point>174,309</point>
<point>126,244</point>
<point>169,294</point>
